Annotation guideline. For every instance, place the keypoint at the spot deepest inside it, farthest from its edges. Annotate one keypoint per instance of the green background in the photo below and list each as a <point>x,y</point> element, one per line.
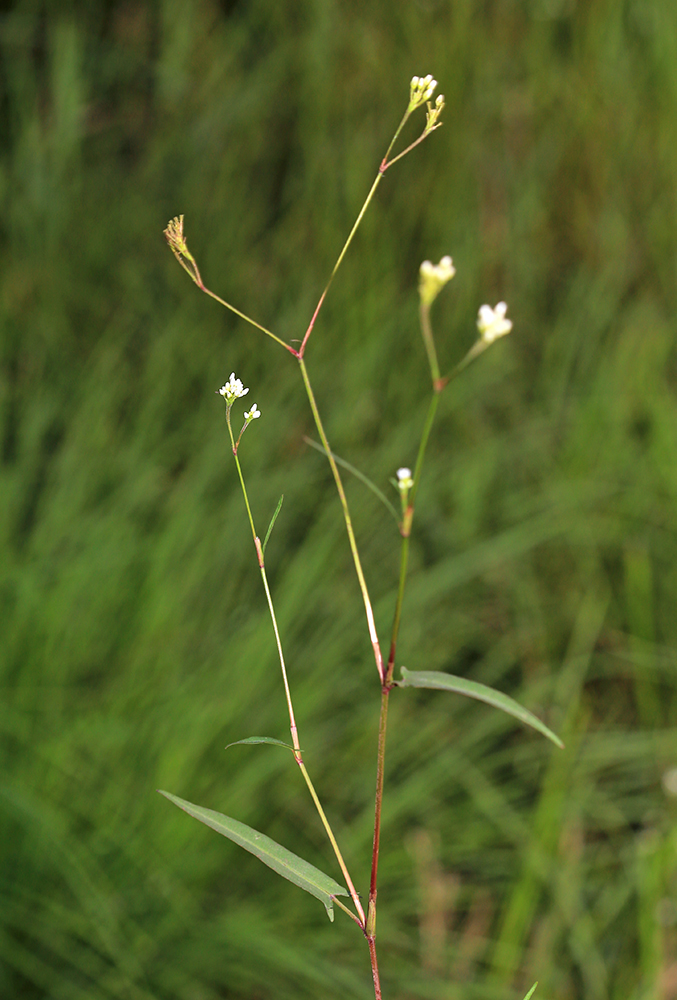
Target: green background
<point>134,637</point>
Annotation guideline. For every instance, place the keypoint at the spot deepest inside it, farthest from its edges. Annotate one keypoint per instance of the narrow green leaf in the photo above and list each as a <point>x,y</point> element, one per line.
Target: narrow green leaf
<point>531,992</point>
<point>261,739</point>
<point>272,523</point>
<point>282,861</point>
<point>447,682</point>
<point>358,475</point>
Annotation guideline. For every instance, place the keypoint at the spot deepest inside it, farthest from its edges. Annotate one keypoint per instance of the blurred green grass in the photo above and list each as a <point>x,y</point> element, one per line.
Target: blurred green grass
<point>135,642</point>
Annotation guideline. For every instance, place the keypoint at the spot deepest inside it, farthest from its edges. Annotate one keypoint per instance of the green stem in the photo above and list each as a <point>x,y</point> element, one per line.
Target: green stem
<point>201,285</point>
<point>349,524</point>
<point>404,558</point>
<point>405,118</point>
<point>332,839</point>
<point>349,912</point>
<point>338,263</point>
<point>423,444</point>
<point>298,756</point>
<point>429,341</point>
<point>385,163</point>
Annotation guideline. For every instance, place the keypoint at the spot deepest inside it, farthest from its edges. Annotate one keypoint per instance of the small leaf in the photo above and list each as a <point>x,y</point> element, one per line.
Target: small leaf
<point>282,861</point>
<point>447,682</point>
<point>261,739</point>
<point>531,992</point>
<point>358,475</point>
<point>272,523</point>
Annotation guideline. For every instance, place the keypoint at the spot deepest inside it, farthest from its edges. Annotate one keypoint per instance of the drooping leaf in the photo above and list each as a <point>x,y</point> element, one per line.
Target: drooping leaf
<point>272,523</point>
<point>261,739</point>
<point>460,685</point>
<point>282,861</point>
<point>358,475</point>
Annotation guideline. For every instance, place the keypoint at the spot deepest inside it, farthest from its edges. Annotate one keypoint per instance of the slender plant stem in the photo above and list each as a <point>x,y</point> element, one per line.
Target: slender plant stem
<point>387,685</point>
<point>349,912</point>
<point>427,427</point>
<point>413,145</point>
<point>405,118</point>
<point>332,839</point>
<point>404,558</point>
<point>339,261</point>
<point>429,341</point>
<point>298,755</point>
<point>405,527</point>
<point>380,773</point>
<point>349,524</point>
<point>370,929</point>
<point>200,284</point>
<point>385,163</point>
<point>374,969</point>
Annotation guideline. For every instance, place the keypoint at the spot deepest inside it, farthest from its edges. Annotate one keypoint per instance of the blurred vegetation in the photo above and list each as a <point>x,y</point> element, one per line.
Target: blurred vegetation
<point>134,636</point>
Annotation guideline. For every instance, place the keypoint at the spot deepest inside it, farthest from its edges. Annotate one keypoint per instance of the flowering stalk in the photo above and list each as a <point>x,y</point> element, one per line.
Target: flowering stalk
<point>492,324</point>
<point>232,390</point>
<point>420,91</point>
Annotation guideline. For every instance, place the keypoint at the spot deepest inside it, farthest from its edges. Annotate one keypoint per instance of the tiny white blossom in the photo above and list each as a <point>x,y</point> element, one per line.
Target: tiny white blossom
<point>404,479</point>
<point>433,278</point>
<point>253,413</point>
<point>492,323</point>
<point>233,389</point>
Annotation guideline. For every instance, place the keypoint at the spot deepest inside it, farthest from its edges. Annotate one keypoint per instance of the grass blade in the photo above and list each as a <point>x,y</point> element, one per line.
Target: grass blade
<point>358,475</point>
<point>272,523</point>
<point>282,861</point>
<point>260,739</point>
<point>460,685</point>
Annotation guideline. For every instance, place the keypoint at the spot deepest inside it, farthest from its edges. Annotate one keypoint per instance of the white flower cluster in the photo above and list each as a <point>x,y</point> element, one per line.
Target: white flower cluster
<point>433,278</point>
<point>253,414</point>
<point>404,479</point>
<point>233,389</point>
<point>492,323</point>
<point>421,90</point>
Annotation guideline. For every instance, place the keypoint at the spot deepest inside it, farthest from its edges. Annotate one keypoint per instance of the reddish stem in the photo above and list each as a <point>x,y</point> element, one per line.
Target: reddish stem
<point>374,968</point>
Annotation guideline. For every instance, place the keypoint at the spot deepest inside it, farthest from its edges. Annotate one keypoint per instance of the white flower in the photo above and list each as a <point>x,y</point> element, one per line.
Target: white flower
<point>421,90</point>
<point>233,389</point>
<point>253,413</point>
<point>404,479</point>
<point>433,278</point>
<point>492,322</point>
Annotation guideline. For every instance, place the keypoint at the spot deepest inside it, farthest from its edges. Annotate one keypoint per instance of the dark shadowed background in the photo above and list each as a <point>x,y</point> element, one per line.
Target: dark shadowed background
<point>135,642</point>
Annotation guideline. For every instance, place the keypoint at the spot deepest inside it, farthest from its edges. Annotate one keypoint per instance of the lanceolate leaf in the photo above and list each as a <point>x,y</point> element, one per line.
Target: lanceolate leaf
<point>261,739</point>
<point>447,682</point>
<point>282,861</point>
<point>358,475</point>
